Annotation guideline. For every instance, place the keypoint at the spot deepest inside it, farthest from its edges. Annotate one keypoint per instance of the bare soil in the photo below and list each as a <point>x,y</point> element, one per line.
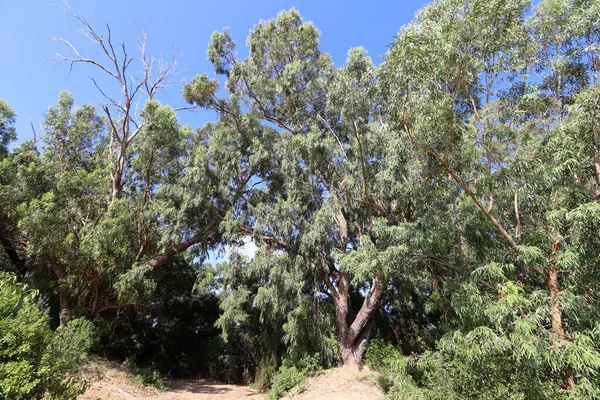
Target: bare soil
<point>340,384</point>
<point>109,381</point>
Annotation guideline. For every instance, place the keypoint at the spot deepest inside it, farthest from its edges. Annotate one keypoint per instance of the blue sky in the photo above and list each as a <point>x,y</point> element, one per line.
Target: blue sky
<point>30,80</point>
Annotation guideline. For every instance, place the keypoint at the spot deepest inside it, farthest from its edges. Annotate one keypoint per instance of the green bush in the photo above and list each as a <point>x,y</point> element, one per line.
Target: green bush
<point>285,379</point>
<point>34,360</point>
<point>143,376</point>
<point>386,359</point>
<point>452,372</point>
<point>293,373</point>
<point>382,356</point>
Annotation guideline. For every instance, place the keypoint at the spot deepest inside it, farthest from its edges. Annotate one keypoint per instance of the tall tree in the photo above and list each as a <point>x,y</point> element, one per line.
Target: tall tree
<point>513,155</point>
<point>324,187</point>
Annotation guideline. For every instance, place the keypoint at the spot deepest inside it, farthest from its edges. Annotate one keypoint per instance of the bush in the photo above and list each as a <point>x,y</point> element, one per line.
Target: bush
<point>451,372</point>
<point>292,374</point>
<point>143,376</point>
<point>386,359</point>
<point>34,360</point>
<point>285,379</point>
<point>382,356</point>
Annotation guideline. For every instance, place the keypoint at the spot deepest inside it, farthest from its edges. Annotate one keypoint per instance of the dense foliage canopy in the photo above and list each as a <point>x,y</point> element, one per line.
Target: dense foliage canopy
<point>445,202</point>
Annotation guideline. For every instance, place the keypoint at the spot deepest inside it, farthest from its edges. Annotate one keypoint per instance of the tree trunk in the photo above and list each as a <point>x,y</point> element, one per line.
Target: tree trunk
<point>96,298</point>
<point>63,298</point>
<point>351,353</point>
<point>351,357</point>
<point>568,379</point>
<point>117,177</point>
<point>353,334</point>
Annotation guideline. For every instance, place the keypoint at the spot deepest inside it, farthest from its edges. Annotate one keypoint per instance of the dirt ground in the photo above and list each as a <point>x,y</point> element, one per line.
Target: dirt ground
<point>178,390</point>
<point>341,384</point>
<point>108,381</point>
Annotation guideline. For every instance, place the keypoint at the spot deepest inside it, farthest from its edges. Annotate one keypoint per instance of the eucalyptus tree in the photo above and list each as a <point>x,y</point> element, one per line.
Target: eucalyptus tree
<point>115,196</point>
<point>101,250</point>
<point>327,191</point>
<point>458,93</point>
<point>133,88</point>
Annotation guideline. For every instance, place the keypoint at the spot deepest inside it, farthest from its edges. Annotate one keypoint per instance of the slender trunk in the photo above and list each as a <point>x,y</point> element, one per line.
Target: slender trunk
<point>596,161</point>
<point>63,303</point>
<point>96,298</point>
<point>597,169</point>
<point>63,297</point>
<point>489,172</point>
<point>116,185</point>
<point>517,214</point>
<point>557,324</point>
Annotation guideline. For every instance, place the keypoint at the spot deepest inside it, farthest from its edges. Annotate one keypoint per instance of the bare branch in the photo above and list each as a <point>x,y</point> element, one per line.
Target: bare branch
<point>109,98</point>
<point>121,110</point>
<point>76,57</point>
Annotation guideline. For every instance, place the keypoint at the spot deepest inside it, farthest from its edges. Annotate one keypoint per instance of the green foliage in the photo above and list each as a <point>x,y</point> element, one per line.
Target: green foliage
<point>7,130</point>
<point>285,379</point>
<point>385,359</point>
<point>35,361</point>
<point>382,356</point>
<point>143,376</point>
<point>446,199</point>
<point>293,374</point>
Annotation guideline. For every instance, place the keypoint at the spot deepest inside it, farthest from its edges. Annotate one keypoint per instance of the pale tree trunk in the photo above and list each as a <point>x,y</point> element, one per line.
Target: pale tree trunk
<point>596,159</point>
<point>153,76</point>
<point>557,328</point>
<point>63,298</point>
<point>116,179</point>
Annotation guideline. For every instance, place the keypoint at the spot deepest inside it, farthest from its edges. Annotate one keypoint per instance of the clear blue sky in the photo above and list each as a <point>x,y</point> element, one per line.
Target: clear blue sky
<point>30,84</point>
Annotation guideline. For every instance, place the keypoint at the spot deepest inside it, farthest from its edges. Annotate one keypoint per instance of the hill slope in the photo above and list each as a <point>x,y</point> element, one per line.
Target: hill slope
<point>341,384</point>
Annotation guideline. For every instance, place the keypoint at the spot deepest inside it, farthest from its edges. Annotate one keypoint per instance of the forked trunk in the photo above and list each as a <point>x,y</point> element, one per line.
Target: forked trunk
<point>353,333</point>
<point>352,357</point>
<point>351,353</point>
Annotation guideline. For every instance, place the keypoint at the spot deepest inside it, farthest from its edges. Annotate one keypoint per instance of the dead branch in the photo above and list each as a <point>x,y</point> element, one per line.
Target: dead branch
<point>121,106</point>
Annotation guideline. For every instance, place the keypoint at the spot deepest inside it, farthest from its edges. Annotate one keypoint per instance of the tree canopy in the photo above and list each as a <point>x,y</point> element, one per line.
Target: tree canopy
<point>444,202</point>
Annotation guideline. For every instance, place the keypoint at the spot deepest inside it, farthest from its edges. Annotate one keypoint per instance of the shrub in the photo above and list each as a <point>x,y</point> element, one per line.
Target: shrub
<point>293,373</point>
<point>382,356</point>
<point>34,360</point>
<point>386,359</point>
<point>143,376</point>
<point>285,379</point>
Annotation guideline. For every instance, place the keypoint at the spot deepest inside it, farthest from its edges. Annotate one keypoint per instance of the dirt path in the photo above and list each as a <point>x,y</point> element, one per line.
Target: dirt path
<point>183,390</point>
<point>109,381</point>
<point>175,390</point>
